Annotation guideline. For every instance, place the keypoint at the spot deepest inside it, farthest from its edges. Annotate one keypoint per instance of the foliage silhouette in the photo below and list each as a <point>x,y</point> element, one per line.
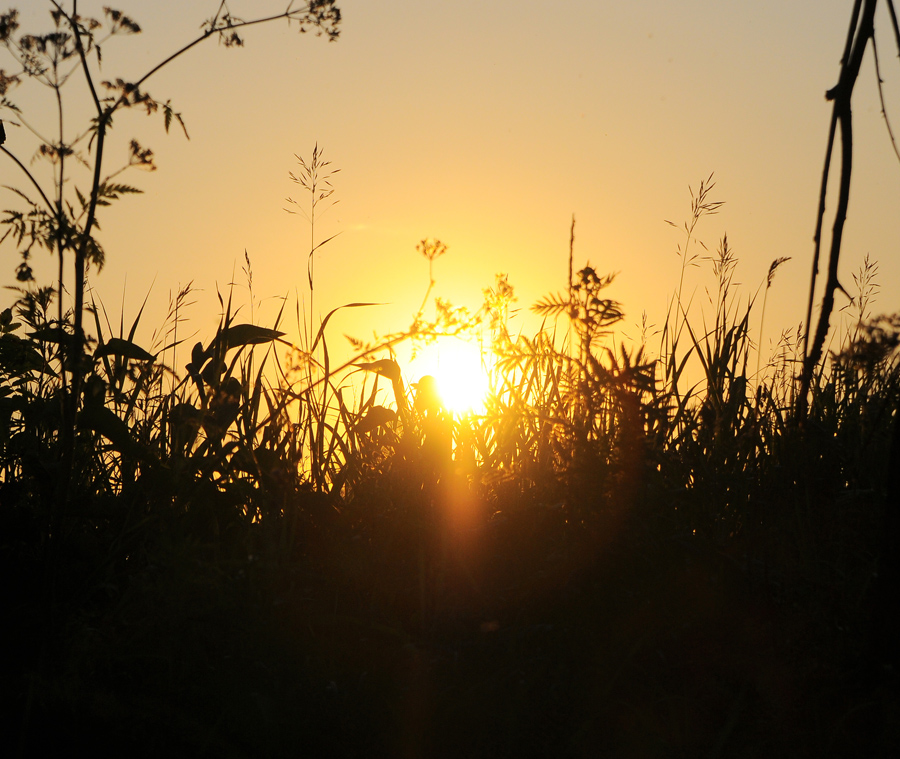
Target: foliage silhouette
<point>628,552</point>
<point>860,33</point>
<point>66,225</point>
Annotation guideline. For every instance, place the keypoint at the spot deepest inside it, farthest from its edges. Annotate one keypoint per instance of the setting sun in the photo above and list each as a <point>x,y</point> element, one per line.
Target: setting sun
<point>459,370</point>
<point>349,449</point>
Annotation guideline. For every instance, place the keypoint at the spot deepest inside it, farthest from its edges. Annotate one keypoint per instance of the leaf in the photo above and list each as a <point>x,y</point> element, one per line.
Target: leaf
<point>18,357</point>
<point>50,335</point>
<point>101,419</point>
<point>168,114</point>
<point>331,313</point>
<point>93,252</point>
<point>324,242</point>
<point>119,347</point>
<point>386,367</point>
<point>113,190</point>
<point>247,334</point>
<point>553,305</point>
<point>376,417</point>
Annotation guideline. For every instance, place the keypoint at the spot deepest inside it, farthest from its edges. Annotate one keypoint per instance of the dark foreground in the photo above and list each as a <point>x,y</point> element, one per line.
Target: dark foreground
<point>529,632</point>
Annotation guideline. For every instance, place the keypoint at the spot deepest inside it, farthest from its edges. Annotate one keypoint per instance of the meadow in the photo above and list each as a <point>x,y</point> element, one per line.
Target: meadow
<point>674,546</point>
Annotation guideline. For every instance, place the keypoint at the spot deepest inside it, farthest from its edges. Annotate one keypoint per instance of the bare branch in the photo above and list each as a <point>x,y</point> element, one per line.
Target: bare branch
<point>887,121</point>
<point>30,177</point>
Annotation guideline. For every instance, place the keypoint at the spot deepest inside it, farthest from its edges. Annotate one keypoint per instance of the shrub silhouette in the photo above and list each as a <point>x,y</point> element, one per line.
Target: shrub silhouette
<point>628,552</point>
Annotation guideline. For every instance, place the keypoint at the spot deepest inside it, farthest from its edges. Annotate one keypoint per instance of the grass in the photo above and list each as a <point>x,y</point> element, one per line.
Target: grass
<point>248,548</point>
<point>261,553</point>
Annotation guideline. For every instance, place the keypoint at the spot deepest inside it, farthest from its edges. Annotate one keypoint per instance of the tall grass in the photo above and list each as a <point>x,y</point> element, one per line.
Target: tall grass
<point>248,414</point>
<point>273,463</point>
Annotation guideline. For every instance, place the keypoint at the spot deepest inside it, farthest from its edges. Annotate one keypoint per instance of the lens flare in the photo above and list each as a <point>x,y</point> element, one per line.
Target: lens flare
<point>458,367</point>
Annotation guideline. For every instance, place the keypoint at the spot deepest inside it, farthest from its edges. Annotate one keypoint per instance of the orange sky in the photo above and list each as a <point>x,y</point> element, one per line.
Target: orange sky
<point>487,125</point>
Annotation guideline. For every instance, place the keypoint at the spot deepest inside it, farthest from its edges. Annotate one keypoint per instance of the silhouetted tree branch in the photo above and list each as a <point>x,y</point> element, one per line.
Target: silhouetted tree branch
<point>860,32</point>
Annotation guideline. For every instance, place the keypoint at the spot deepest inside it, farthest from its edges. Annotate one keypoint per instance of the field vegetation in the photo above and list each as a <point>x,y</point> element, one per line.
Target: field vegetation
<point>677,546</point>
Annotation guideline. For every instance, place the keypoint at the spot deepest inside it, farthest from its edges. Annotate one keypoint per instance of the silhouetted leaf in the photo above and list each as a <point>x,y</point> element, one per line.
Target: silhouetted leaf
<point>100,419</point>
<point>169,114</point>
<point>18,356</point>
<point>118,347</point>
<point>247,334</point>
<point>331,313</point>
<point>50,335</point>
<point>386,367</point>
<point>553,305</point>
<point>377,416</point>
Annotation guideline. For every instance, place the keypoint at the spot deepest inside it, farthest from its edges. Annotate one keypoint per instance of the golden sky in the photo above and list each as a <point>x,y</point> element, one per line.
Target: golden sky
<point>487,125</point>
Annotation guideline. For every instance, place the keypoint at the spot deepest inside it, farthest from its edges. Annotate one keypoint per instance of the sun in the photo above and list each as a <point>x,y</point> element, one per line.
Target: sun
<point>458,367</point>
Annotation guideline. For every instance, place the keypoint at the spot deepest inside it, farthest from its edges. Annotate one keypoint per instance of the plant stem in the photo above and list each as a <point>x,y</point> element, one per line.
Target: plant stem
<point>858,39</point>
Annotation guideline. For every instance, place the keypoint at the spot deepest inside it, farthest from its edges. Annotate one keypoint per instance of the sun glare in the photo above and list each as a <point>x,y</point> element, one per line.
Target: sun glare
<point>457,367</point>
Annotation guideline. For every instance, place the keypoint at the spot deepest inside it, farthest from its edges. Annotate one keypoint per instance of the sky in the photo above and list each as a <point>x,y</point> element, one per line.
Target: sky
<point>487,126</point>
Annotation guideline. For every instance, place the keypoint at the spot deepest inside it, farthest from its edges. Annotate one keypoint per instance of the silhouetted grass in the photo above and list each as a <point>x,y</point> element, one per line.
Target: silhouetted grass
<point>247,548</point>
<point>260,553</point>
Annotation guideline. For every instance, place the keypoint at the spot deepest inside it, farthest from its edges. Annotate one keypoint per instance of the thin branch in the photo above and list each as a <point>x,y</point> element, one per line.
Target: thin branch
<point>61,184</point>
<point>841,94</point>
<point>81,52</point>
<point>30,177</point>
<point>209,33</point>
<point>851,33</point>
<point>823,192</point>
<point>887,121</point>
<point>894,24</point>
<point>22,121</point>
<point>820,220</point>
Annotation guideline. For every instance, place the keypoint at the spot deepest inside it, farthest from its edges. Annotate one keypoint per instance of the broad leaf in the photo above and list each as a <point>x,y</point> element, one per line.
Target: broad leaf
<point>119,347</point>
<point>247,334</point>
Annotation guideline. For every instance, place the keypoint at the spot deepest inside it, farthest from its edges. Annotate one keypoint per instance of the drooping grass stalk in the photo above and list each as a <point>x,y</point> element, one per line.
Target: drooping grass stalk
<point>172,321</point>
<point>867,288</point>
<point>762,317</point>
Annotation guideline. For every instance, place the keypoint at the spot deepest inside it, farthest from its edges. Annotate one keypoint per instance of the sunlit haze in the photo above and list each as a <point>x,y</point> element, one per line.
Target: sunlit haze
<point>458,366</point>
<point>487,126</point>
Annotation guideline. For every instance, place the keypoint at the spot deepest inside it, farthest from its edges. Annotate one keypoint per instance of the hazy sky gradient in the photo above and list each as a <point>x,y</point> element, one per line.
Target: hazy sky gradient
<point>487,125</point>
